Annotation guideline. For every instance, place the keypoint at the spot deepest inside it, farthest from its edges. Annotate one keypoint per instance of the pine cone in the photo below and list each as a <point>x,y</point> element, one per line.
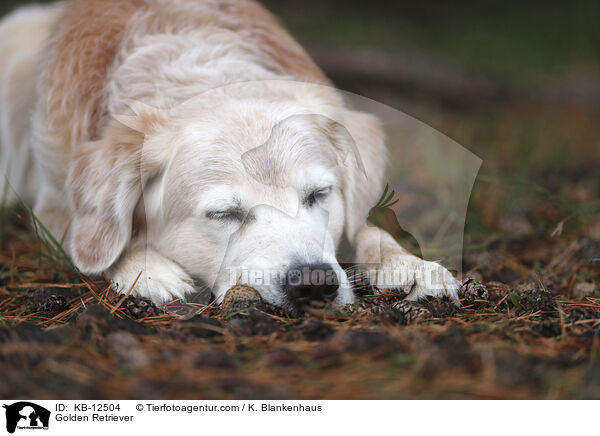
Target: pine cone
<point>54,305</point>
<point>472,290</point>
<point>240,297</point>
<point>139,307</point>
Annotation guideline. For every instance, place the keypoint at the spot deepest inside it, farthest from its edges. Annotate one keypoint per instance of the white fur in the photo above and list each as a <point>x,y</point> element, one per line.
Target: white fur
<point>22,34</point>
<point>389,266</point>
<point>153,276</point>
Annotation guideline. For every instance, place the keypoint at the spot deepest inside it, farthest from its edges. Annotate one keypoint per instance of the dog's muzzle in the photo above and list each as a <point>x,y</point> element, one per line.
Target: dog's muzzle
<point>314,282</point>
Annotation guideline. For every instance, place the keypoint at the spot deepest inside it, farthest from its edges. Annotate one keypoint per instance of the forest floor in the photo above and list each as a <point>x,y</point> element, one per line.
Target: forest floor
<point>529,326</point>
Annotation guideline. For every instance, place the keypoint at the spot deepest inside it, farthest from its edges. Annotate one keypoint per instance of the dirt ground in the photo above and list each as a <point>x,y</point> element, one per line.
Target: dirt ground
<point>529,328</point>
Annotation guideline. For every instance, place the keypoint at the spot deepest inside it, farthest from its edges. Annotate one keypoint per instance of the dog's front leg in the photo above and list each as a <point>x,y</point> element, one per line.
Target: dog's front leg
<point>389,266</point>
<point>151,275</point>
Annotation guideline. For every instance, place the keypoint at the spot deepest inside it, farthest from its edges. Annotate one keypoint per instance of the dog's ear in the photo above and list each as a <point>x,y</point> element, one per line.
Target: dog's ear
<point>361,141</point>
<point>105,184</point>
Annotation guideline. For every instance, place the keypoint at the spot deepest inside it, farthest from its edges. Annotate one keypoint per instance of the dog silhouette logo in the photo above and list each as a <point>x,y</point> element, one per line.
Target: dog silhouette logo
<point>26,415</point>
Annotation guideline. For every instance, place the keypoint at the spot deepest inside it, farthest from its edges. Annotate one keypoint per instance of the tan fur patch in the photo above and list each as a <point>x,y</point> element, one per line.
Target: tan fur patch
<point>282,51</point>
<point>89,33</point>
<point>83,48</point>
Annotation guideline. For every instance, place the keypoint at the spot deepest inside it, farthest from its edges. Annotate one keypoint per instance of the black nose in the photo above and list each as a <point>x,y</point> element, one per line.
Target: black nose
<point>316,282</point>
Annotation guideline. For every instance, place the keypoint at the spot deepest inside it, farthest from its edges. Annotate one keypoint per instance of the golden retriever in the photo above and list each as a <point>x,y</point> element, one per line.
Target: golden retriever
<point>186,143</point>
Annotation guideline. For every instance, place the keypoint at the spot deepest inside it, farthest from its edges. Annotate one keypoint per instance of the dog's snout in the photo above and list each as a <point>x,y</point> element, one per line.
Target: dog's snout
<point>316,282</point>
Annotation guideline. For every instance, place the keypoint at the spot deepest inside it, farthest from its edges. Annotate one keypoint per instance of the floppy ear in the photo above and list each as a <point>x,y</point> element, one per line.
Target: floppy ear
<point>364,159</point>
<point>105,183</point>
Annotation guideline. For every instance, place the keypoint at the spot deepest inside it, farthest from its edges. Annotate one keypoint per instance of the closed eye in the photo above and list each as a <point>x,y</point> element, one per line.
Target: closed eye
<point>227,215</point>
<point>316,195</point>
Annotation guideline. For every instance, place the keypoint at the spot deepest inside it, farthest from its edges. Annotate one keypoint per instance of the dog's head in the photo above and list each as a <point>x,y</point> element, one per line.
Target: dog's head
<point>248,189</point>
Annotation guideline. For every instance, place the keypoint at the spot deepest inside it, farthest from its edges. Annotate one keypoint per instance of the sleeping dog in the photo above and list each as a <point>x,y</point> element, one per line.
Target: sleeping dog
<point>178,142</point>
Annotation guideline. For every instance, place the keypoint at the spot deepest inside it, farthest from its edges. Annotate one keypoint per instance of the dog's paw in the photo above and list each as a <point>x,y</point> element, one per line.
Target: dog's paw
<point>416,277</point>
<point>160,279</point>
